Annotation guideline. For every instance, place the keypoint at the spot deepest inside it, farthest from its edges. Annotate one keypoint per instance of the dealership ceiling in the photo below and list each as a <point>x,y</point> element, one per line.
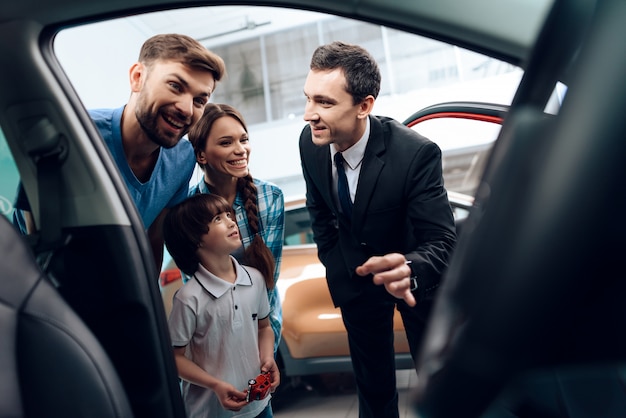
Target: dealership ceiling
<point>222,24</point>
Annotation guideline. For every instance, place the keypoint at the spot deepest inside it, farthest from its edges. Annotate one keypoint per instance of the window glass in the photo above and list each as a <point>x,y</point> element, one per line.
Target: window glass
<point>298,227</point>
<point>367,35</point>
<point>286,76</point>
<point>418,62</point>
<point>465,145</point>
<point>243,86</point>
<point>556,99</point>
<point>460,214</point>
<point>10,178</point>
<point>267,53</point>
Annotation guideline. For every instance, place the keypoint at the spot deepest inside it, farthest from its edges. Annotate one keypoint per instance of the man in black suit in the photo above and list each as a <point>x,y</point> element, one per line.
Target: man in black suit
<point>383,203</point>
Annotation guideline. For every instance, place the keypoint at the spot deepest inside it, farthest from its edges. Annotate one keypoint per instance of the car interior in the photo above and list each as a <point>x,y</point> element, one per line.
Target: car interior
<point>530,317</point>
<point>46,348</point>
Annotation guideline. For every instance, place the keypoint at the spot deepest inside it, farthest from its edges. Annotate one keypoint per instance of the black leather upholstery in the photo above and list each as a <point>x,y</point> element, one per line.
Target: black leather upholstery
<point>532,305</point>
<point>51,365</point>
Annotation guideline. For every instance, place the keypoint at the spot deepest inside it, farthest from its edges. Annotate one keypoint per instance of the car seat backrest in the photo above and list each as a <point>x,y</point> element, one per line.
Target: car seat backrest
<point>50,362</point>
<point>534,295</point>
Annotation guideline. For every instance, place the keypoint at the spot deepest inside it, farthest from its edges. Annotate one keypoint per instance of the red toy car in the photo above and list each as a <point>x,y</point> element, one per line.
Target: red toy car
<point>258,388</point>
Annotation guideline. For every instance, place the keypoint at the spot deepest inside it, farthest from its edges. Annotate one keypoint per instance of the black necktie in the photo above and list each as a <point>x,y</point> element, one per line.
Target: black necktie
<point>343,190</point>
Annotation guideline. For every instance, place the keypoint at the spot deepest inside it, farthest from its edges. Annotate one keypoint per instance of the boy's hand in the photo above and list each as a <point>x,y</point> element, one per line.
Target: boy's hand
<point>230,398</point>
<point>269,365</point>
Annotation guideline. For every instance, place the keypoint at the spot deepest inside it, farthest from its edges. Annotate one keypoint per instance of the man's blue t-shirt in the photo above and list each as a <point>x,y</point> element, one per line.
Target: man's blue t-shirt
<point>169,182</point>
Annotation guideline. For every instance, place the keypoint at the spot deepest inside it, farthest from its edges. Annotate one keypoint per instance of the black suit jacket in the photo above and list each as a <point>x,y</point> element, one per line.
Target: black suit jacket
<point>400,206</point>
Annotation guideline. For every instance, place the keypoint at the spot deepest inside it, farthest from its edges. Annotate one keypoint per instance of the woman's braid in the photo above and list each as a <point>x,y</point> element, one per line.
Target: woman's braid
<point>250,202</point>
<point>257,254</point>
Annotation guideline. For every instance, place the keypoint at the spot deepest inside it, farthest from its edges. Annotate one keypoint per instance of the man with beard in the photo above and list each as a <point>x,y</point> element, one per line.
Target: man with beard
<point>170,85</point>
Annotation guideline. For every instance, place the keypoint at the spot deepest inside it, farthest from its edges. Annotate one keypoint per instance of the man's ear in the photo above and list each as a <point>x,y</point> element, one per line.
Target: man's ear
<point>366,106</point>
<point>137,74</point>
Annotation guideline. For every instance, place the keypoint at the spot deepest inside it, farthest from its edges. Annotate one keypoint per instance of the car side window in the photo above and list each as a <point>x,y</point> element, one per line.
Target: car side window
<point>10,178</point>
<point>465,145</point>
<point>459,213</point>
<point>298,227</point>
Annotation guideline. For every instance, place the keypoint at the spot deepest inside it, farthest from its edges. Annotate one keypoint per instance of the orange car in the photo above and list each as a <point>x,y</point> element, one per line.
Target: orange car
<point>314,339</point>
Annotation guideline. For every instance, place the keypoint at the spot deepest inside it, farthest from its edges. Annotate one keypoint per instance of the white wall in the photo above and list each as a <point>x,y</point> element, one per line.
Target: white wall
<point>97,59</point>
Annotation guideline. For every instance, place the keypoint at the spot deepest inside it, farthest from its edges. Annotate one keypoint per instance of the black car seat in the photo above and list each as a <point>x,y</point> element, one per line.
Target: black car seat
<point>51,365</point>
<point>530,318</point>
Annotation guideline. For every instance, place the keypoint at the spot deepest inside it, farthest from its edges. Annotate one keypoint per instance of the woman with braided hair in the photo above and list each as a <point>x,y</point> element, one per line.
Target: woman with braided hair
<point>222,148</point>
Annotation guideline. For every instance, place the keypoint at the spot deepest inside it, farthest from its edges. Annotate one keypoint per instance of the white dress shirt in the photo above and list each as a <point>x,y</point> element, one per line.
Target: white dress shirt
<point>353,157</point>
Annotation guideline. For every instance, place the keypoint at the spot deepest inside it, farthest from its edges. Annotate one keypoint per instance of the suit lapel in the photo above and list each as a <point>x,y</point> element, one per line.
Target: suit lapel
<point>322,160</point>
<point>370,170</point>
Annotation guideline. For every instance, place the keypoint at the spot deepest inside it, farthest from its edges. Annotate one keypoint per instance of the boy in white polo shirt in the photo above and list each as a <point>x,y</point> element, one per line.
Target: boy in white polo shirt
<point>219,323</point>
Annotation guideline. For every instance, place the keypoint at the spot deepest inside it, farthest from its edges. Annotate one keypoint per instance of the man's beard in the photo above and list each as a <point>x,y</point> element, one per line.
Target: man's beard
<point>149,124</point>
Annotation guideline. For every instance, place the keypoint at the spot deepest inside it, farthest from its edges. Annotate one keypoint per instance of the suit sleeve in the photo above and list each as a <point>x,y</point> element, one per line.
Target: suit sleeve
<point>323,221</point>
<point>431,219</point>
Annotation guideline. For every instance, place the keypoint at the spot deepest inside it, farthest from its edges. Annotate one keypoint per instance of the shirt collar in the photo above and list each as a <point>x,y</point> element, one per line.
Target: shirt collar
<point>354,155</point>
<point>218,287</point>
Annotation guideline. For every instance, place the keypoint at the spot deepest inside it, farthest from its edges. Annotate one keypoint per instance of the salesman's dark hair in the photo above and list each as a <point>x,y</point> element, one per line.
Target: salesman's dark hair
<point>359,67</point>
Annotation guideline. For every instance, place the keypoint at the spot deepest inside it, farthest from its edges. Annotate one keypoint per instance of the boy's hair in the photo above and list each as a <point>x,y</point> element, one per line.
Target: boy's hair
<point>186,223</point>
<point>257,254</point>
<point>183,49</point>
<point>359,68</point>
